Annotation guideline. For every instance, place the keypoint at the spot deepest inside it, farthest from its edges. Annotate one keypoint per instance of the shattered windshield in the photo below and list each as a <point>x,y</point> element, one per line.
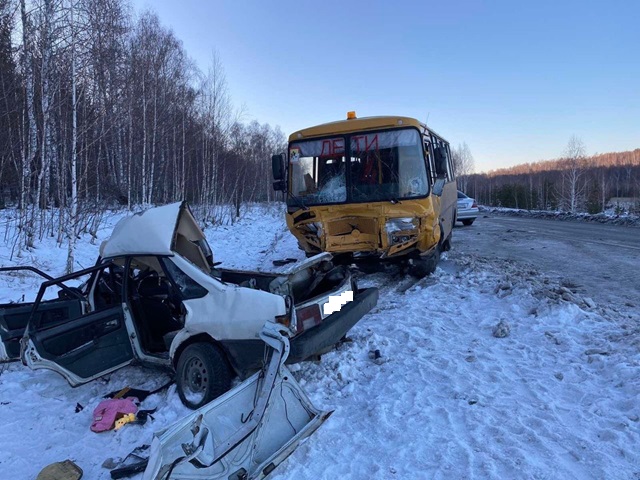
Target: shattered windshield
<point>318,170</point>
<point>386,165</point>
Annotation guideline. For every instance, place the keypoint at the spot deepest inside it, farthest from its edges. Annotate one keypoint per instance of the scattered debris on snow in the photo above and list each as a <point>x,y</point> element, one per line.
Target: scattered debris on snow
<point>502,329</point>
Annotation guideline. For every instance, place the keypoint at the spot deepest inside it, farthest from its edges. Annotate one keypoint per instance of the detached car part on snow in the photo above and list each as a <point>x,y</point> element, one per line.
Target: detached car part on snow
<point>155,297</point>
<point>245,433</point>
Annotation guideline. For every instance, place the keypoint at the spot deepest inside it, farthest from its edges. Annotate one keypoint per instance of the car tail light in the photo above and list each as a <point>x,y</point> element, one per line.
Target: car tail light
<point>308,317</point>
<point>474,205</point>
<point>284,320</point>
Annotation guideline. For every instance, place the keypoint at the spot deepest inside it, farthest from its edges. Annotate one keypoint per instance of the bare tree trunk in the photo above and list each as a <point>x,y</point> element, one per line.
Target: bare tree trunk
<point>183,176</point>
<point>73,220</point>
<point>25,228</point>
<point>603,193</point>
<point>129,179</point>
<point>152,160</point>
<point>143,176</point>
<point>42,195</point>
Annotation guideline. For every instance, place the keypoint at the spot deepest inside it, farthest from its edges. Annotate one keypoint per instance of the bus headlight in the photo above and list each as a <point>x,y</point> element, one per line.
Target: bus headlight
<point>401,224</point>
<point>401,230</point>
<point>315,228</point>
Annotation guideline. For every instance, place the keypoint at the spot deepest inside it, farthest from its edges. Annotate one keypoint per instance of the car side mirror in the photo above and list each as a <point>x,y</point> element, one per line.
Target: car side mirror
<point>441,161</point>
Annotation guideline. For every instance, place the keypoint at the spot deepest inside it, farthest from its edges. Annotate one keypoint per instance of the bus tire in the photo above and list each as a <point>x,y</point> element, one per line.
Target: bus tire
<point>426,265</point>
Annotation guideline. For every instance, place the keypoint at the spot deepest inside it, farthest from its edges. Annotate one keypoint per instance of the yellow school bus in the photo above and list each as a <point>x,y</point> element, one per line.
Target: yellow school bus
<point>370,189</point>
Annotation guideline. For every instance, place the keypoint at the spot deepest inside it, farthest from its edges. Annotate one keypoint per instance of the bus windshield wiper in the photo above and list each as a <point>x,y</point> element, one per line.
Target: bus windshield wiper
<point>298,200</point>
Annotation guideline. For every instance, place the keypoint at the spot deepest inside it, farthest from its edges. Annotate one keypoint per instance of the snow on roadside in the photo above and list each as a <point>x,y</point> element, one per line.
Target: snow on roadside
<point>627,220</point>
<point>260,237</point>
<point>556,398</point>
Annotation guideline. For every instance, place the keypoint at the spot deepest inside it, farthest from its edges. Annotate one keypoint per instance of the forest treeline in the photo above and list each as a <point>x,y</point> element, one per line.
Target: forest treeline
<point>100,108</point>
<point>574,183</point>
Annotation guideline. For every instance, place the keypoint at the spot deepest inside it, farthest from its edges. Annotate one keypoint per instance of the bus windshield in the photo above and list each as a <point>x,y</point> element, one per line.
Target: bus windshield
<point>387,165</point>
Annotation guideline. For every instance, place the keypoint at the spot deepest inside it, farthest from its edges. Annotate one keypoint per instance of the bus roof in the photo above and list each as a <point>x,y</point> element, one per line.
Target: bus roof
<point>357,125</point>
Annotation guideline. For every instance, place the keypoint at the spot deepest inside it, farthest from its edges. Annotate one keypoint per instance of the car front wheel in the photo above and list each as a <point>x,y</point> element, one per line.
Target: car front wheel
<point>202,374</point>
<point>468,222</point>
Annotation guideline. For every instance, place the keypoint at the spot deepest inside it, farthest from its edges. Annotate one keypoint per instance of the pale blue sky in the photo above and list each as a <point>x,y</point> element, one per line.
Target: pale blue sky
<point>514,79</point>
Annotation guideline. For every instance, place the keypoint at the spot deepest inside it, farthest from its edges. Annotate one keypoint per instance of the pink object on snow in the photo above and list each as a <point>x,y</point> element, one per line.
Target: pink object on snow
<point>108,411</point>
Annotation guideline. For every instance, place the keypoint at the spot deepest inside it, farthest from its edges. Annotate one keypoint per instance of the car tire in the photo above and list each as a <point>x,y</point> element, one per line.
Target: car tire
<point>202,374</point>
<point>468,222</point>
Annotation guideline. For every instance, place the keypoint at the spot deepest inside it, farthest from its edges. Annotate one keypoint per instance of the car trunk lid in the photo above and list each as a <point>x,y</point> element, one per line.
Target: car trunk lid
<point>246,432</point>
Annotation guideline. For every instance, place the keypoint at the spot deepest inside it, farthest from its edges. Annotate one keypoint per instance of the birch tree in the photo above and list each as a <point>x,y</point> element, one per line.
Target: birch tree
<point>73,216</point>
<point>573,181</point>
<point>25,226</point>
<point>463,164</point>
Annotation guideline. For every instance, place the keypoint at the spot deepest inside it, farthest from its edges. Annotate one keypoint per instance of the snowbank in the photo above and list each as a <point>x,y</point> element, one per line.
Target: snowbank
<point>609,218</point>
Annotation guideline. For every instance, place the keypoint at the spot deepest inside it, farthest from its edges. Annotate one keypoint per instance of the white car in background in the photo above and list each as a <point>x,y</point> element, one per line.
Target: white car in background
<point>467,210</point>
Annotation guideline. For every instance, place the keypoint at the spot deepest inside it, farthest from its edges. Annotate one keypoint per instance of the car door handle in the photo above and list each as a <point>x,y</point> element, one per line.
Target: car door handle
<point>111,324</point>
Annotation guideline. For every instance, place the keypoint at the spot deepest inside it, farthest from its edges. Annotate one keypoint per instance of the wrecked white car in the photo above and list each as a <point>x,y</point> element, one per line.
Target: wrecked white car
<point>154,297</point>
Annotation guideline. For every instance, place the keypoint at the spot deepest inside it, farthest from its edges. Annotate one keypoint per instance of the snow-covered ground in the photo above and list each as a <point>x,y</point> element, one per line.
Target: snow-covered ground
<point>558,397</point>
<point>609,216</point>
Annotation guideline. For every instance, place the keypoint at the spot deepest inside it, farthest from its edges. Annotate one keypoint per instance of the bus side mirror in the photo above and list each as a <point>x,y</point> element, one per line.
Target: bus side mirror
<point>277,167</point>
<point>438,186</point>
<point>441,161</point>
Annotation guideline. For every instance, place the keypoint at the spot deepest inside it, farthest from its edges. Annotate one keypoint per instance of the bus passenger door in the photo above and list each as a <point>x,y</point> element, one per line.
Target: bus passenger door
<point>449,198</point>
<point>444,186</point>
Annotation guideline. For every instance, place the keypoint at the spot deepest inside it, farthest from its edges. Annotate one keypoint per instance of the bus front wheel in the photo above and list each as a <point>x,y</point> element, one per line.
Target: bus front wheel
<point>423,266</point>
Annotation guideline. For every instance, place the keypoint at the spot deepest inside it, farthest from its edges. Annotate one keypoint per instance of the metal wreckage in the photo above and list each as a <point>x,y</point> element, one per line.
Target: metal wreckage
<point>159,299</point>
<point>245,433</point>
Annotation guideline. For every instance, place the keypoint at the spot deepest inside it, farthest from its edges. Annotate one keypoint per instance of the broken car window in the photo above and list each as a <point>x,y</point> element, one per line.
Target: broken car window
<point>189,288</point>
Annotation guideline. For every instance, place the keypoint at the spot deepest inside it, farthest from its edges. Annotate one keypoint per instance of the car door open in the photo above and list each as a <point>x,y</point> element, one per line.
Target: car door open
<point>85,346</point>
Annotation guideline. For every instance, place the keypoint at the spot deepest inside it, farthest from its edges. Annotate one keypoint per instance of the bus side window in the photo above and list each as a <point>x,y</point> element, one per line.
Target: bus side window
<point>441,161</point>
<point>431,168</point>
<point>452,174</point>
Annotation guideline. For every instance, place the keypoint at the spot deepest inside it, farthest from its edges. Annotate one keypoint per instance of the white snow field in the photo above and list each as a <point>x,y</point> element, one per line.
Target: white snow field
<point>558,397</point>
